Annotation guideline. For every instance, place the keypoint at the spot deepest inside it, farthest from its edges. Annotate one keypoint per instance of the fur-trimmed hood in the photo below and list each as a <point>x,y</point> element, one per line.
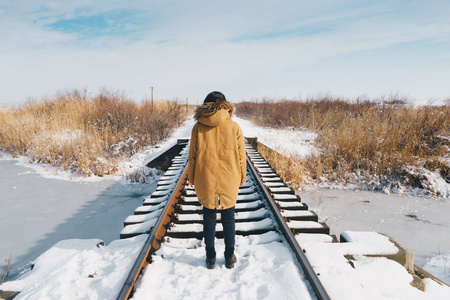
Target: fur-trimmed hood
<point>214,113</point>
<point>217,160</point>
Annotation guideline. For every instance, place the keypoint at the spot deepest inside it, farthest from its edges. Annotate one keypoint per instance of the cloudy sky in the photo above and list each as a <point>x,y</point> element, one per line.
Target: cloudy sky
<point>246,49</point>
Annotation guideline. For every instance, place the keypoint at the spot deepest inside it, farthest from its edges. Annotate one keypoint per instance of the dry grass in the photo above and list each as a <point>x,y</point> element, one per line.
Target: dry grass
<point>4,273</point>
<point>367,138</point>
<point>291,169</point>
<point>87,135</point>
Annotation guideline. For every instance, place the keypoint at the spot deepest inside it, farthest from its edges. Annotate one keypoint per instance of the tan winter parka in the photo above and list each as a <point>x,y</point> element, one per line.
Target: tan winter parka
<point>217,160</point>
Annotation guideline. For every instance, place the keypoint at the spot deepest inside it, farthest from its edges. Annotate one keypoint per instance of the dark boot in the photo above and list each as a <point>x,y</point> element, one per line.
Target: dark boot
<point>210,263</point>
<point>210,258</point>
<point>230,261</point>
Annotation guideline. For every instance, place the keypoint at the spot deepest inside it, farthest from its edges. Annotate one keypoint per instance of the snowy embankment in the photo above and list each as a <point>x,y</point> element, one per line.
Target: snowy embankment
<point>41,205</point>
<point>266,269</point>
<point>290,142</point>
<point>129,165</point>
<point>419,223</point>
<point>302,143</point>
<point>78,269</point>
<point>85,270</point>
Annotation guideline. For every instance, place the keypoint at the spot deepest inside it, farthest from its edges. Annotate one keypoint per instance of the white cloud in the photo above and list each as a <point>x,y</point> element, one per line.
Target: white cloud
<point>245,49</point>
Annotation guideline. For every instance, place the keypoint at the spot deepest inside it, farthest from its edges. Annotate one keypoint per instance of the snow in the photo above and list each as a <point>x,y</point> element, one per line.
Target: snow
<point>363,276</point>
<point>439,266</point>
<point>432,181</point>
<point>139,228</point>
<point>79,269</point>
<point>301,143</point>
<point>41,205</point>
<point>37,212</point>
<point>127,166</point>
<point>262,272</point>
<point>420,224</point>
<point>266,269</point>
<point>40,210</point>
<point>143,218</point>
<point>287,141</point>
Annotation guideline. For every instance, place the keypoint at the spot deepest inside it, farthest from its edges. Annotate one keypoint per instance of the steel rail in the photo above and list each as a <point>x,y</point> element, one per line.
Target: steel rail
<point>153,240</point>
<point>317,286</point>
<point>158,231</point>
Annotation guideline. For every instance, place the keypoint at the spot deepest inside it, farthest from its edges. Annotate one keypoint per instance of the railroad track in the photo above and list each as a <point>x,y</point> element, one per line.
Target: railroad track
<point>266,208</point>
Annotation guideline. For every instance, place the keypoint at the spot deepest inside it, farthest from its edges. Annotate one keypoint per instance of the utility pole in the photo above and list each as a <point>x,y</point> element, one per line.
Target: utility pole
<point>187,104</point>
<point>152,98</point>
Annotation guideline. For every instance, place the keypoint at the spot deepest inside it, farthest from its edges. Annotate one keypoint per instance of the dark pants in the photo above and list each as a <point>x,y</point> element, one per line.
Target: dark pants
<point>209,230</point>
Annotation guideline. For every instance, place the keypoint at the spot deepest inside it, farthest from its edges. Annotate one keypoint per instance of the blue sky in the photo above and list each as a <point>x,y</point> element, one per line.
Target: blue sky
<point>246,49</point>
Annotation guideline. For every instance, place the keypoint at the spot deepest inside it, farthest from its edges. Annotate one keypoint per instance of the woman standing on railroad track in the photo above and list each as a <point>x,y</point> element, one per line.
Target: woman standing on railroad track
<point>217,167</point>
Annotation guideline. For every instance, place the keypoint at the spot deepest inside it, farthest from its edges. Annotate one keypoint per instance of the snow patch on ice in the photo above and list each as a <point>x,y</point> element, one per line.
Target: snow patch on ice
<point>439,266</point>
<point>5,156</point>
<point>362,277</point>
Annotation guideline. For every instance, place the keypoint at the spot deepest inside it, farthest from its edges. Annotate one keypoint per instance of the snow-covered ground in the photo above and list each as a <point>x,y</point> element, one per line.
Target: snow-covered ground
<point>41,205</point>
<point>281,140</point>
<point>38,211</point>
<point>78,269</point>
<point>420,224</point>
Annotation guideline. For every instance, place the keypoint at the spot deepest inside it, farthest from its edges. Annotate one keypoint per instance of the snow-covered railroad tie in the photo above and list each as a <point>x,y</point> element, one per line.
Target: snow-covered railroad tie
<point>267,210</point>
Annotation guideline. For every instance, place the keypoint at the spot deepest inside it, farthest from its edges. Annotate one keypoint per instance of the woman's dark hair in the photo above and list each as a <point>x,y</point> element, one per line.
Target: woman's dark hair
<point>214,97</point>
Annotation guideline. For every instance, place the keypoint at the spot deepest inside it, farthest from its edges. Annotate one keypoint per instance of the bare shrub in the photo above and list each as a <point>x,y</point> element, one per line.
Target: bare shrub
<point>142,175</point>
<point>87,135</point>
<point>369,138</point>
<point>4,273</point>
<point>291,169</point>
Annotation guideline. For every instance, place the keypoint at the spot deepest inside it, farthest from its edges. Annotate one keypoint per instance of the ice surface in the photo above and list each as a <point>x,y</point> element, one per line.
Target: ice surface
<point>422,225</point>
<point>37,212</point>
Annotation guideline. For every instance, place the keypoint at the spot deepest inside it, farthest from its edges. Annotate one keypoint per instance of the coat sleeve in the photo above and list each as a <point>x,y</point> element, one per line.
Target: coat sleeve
<point>192,154</point>
<point>242,156</point>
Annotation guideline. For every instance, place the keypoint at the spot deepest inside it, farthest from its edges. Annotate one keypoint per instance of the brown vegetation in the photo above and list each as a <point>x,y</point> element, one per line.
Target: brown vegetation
<point>4,273</point>
<point>87,135</point>
<point>366,138</point>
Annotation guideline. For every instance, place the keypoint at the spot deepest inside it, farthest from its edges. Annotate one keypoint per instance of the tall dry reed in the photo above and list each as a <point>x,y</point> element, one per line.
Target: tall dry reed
<point>87,135</point>
<point>366,138</point>
<point>4,273</point>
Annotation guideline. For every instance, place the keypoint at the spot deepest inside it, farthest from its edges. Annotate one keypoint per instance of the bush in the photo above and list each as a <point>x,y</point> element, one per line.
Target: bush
<point>87,135</point>
<point>368,138</point>
<point>4,273</point>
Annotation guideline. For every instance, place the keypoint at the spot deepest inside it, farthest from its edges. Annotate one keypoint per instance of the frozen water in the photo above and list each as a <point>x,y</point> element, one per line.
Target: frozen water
<point>421,224</point>
<point>38,212</point>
